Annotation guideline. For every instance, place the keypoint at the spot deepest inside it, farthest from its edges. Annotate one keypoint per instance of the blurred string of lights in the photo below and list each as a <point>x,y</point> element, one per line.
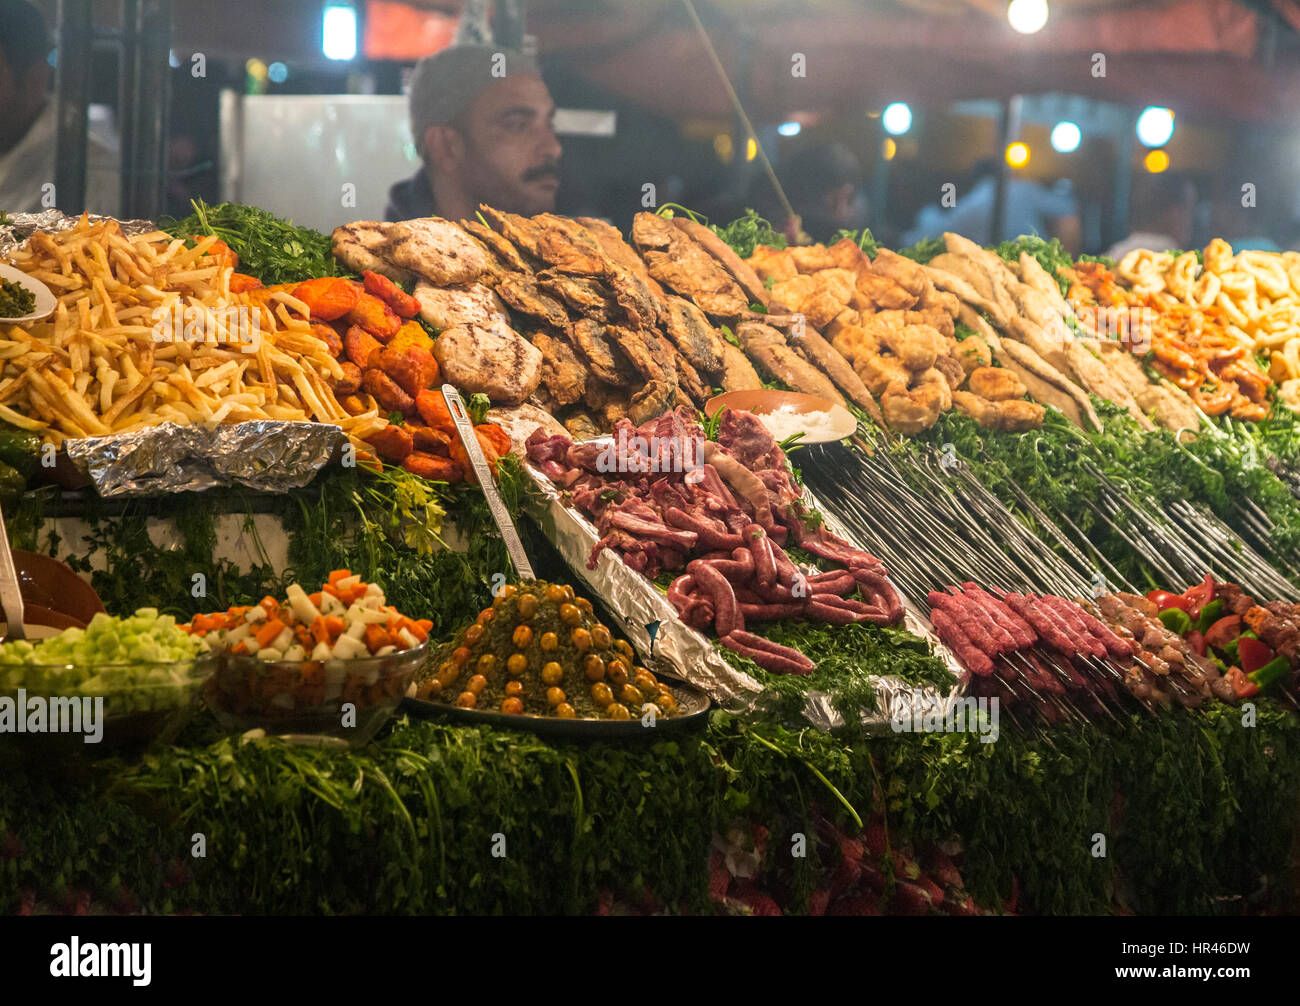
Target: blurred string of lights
<point>1027,16</point>
<point>897,118</point>
<point>1066,137</point>
<point>1155,126</point>
<point>1155,161</point>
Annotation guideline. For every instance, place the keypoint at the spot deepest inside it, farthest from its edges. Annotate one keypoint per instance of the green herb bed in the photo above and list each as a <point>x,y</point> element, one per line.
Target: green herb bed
<point>1197,812</point>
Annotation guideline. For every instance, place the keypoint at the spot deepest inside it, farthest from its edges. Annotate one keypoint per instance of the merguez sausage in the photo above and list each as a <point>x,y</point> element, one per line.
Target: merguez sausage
<point>727,617</point>
<point>764,560</point>
<point>767,654</point>
<point>967,652</point>
<point>710,535</point>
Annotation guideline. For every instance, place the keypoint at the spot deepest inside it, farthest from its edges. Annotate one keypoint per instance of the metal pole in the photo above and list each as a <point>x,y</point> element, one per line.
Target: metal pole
<point>127,84</point>
<point>148,59</point>
<point>72,96</point>
<point>508,28</point>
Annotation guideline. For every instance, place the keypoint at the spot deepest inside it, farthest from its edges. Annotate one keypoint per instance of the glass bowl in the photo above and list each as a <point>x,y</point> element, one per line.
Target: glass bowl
<point>143,703</point>
<point>306,697</point>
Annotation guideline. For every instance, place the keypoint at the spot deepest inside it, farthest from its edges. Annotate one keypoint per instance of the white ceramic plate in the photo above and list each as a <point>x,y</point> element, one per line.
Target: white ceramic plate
<point>45,300</point>
<point>763,402</point>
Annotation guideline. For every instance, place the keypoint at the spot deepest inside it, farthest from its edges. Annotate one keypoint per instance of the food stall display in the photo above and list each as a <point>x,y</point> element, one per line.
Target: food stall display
<point>843,600</point>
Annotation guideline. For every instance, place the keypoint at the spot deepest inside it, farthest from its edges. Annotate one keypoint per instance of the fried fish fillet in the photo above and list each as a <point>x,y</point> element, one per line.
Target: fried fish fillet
<point>830,361</point>
<point>738,374</point>
<point>770,350</point>
<point>507,255</point>
<point>563,375</point>
<point>730,261</point>
<point>693,335</point>
<point>682,265</point>
<point>590,339</point>
<point>520,291</point>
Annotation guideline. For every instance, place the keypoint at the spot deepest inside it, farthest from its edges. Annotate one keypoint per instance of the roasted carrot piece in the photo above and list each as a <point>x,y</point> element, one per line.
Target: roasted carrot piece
<point>376,317</point>
<point>240,647</point>
<point>328,298</point>
<point>338,574</point>
<point>336,626</point>
<point>433,410</point>
<point>242,283</point>
<point>314,598</point>
<point>402,303</point>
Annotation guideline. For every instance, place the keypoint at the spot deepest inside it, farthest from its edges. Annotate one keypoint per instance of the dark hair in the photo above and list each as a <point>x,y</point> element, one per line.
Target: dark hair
<point>814,170</point>
<point>24,36</point>
<point>1155,195</point>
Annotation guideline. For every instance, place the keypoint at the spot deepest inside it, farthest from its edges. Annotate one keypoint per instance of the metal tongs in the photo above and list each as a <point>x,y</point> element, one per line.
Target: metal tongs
<point>509,535</point>
<point>11,595</point>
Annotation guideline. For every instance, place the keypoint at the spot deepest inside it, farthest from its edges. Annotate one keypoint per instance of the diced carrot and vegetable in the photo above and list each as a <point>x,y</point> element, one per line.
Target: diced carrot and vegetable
<point>345,619</point>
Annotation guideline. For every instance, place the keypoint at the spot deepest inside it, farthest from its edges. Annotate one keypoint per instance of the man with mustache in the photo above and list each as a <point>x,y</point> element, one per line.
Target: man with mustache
<point>482,121</point>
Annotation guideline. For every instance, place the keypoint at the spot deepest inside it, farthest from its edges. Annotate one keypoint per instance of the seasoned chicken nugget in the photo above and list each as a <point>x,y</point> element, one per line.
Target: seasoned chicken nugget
<point>996,384</point>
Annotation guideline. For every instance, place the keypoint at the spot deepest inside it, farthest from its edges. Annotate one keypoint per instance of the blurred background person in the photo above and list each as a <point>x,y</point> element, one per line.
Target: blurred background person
<point>483,138</point>
<point>823,183</point>
<point>29,120</point>
<point>1031,208</point>
<point>1163,214</point>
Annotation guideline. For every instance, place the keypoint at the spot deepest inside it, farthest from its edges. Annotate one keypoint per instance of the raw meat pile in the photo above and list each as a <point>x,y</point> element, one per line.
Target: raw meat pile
<point>665,498</point>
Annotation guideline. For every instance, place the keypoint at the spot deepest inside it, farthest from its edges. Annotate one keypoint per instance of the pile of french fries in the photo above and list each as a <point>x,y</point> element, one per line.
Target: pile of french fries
<point>97,365</point>
<point>1258,293</point>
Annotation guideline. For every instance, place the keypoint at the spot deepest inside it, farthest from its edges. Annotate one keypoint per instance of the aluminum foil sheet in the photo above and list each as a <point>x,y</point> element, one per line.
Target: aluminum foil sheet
<point>684,651</point>
<point>21,226</point>
<point>263,454</point>
<point>678,649</point>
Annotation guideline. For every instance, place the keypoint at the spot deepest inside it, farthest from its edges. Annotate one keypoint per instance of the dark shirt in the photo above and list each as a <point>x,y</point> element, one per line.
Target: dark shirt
<point>410,198</point>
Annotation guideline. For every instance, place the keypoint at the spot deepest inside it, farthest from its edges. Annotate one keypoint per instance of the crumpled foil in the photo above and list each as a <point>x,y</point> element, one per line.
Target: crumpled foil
<point>264,454</point>
<point>21,226</point>
<point>685,652</point>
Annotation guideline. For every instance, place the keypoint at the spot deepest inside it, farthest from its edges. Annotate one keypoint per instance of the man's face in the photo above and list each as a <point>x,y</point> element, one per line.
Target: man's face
<point>510,157</point>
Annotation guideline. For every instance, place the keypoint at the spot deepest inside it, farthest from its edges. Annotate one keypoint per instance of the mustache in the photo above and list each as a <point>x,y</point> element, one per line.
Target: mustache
<point>551,169</point>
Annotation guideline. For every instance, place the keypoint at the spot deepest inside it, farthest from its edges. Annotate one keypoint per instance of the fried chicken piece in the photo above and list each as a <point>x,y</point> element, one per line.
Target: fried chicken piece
<point>1010,416</point>
<point>812,258</point>
<point>973,352</point>
<point>789,295</point>
<point>911,410</point>
<point>997,384</point>
<point>775,264</point>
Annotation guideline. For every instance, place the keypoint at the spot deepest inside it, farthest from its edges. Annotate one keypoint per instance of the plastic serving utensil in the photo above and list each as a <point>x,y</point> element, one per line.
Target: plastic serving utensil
<point>505,525</point>
<point>11,595</point>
